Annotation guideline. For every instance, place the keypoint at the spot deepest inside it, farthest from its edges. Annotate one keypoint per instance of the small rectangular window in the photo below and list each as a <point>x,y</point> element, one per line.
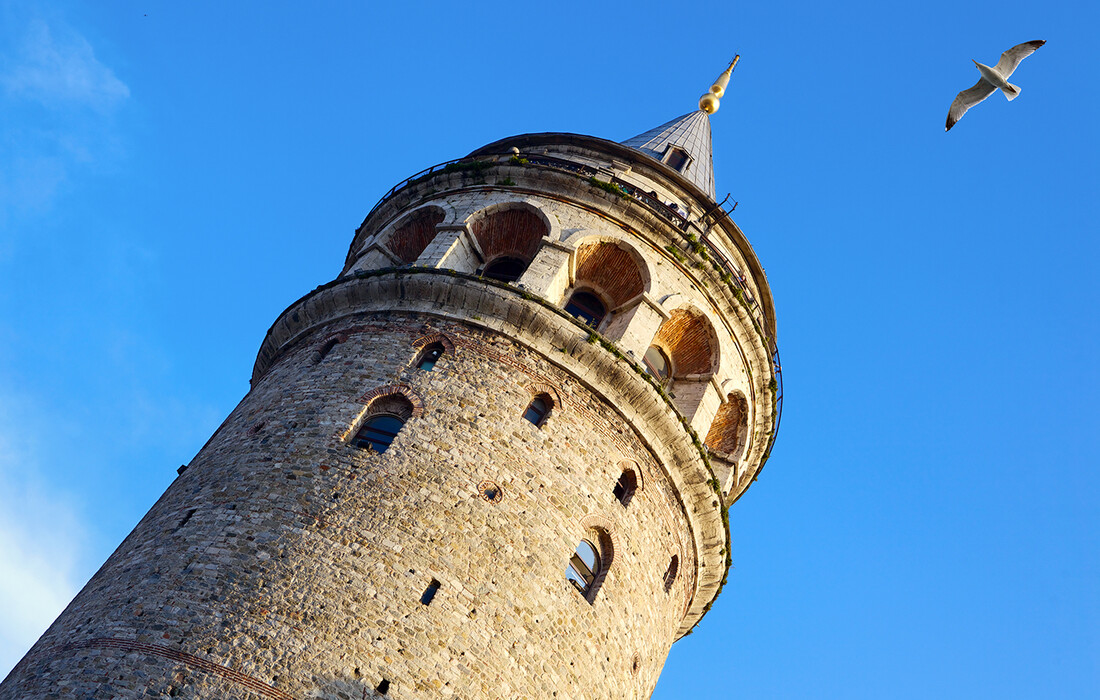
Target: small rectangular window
<point>383,687</point>
<point>677,158</point>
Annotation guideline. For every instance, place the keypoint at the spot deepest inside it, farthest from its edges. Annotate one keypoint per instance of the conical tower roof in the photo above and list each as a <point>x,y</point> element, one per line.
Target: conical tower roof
<point>684,143</point>
<point>691,133</point>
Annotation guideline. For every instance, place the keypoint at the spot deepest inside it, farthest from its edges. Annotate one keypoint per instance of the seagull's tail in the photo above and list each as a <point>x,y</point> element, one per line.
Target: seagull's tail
<point>1012,92</point>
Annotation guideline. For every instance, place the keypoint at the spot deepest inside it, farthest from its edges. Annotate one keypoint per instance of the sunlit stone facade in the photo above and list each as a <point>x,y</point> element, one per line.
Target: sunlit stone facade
<point>289,561</point>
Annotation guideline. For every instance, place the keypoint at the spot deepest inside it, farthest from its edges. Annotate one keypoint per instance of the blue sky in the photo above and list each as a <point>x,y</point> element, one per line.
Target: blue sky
<point>173,175</point>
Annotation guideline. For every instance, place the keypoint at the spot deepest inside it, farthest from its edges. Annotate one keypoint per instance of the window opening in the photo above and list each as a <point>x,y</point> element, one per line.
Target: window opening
<point>677,158</point>
<point>429,357</point>
<point>582,567</point>
<point>587,307</point>
<point>656,362</point>
<point>429,592</point>
<point>325,349</point>
<point>378,432</point>
<point>383,687</point>
<point>671,572</point>
<point>537,410</point>
<point>187,517</point>
<point>504,269</point>
<point>625,487</point>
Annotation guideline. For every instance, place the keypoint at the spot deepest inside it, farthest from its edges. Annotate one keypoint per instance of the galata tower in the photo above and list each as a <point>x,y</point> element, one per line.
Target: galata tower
<point>491,459</point>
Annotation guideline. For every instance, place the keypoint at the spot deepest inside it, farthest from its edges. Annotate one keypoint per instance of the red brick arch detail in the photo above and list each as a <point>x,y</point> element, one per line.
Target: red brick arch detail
<point>536,389</point>
<point>442,338</point>
<point>608,268</point>
<point>415,233</point>
<point>690,341</point>
<point>391,389</point>
<point>512,229</point>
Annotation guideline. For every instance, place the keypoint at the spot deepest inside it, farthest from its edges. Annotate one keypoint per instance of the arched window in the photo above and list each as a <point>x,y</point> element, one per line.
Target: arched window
<point>538,409</point>
<point>429,356</point>
<point>728,432</point>
<point>414,234</point>
<point>583,566</point>
<point>378,432</point>
<point>323,351</point>
<point>591,561</point>
<point>587,307</point>
<point>506,269</point>
<point>657,363</point>
<point>385,416</point>
<point>508,240</point>
<point>671,572</point>
<point>625,487</point>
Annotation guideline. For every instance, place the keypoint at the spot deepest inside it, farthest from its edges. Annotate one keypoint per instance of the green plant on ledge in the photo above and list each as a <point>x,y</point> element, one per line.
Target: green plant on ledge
<point>507,182</point>
<point>607,187</point>
<point>675,252</point>
<point>516,160</point>
<point>471,166</point>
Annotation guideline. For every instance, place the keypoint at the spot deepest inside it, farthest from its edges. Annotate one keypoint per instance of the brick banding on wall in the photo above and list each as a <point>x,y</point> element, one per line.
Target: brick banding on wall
<point>164,652</point>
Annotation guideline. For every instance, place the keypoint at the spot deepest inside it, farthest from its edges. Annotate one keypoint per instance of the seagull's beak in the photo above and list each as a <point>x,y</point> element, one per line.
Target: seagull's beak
<point>973,61</point>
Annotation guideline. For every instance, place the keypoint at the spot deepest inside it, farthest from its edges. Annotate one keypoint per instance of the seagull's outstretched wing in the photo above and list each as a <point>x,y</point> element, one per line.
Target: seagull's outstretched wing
<point>967,99</point>
<point>1011,58</point>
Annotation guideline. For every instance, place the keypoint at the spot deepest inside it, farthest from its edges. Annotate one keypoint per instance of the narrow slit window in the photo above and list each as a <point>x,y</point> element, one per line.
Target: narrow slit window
<point>671,572</point>
<point>429,357</point>
<point>537,410</point>
<point>325,349</point>
<point>429,592</point>
<point>378,432</point>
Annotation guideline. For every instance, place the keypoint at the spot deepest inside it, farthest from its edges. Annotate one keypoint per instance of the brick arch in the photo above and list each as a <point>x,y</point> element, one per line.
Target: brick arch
<point>512,230</point>
<point>690,341</point>
<point>729,430</point>
<point>536,389</point>
<point>441,338</point>
<point>323,347</point>
<point>415,233</point>
<point>616,273</point>
<point>374,396</point>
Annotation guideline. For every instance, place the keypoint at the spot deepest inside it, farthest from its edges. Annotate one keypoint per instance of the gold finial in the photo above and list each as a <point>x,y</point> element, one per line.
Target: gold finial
<point>710,101</point>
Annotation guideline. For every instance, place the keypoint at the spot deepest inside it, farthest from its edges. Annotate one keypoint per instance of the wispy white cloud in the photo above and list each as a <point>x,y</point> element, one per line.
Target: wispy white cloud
<point>59,103</point>
<point>40,541</point>
<point>61,69</point>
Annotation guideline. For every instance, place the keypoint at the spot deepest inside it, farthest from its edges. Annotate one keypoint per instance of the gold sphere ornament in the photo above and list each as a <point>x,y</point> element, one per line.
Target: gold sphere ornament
<point>709,103</point>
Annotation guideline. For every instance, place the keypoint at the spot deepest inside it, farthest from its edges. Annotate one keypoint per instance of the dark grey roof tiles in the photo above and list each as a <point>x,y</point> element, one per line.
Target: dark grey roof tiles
<point>690,132</point>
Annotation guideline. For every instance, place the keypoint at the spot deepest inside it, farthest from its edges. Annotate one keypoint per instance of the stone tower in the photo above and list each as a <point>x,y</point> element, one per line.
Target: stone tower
<point>491,459</point>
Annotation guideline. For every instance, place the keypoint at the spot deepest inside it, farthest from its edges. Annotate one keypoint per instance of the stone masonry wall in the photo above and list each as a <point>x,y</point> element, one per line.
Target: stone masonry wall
<point>285,563</point>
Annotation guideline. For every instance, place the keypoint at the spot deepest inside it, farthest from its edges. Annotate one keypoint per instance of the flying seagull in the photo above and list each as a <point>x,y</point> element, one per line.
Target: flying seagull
<point>992,78</point>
